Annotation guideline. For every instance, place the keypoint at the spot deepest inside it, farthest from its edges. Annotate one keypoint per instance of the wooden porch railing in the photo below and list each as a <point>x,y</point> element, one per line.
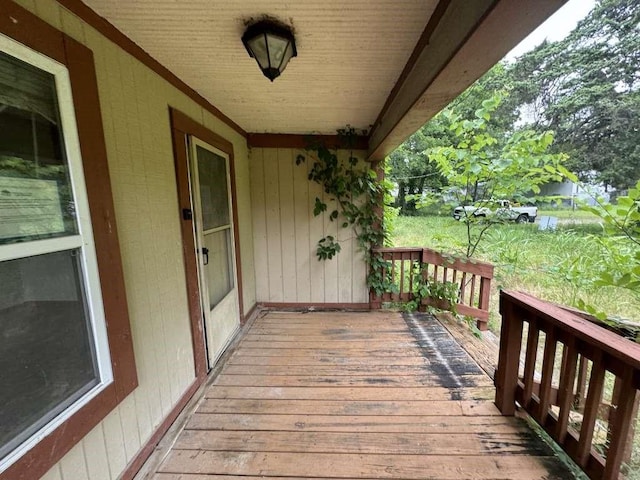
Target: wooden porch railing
<point>473,278</point>
<point>581,386</point>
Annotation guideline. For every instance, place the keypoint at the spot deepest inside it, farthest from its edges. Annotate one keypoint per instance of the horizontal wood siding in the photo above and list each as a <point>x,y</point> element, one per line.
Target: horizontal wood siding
<point>286,234</point>
<point>135,111</point>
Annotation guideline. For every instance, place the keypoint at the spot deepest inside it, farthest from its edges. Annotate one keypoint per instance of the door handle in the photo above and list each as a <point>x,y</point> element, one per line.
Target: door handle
<point>205,253</point>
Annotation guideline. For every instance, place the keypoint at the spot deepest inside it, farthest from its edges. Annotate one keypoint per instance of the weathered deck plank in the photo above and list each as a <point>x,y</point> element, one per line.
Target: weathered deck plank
<point>358,395</point>
<point>369,466</point>
<point>355,423</point>
<point>348,393</point>
<point>329,407</point>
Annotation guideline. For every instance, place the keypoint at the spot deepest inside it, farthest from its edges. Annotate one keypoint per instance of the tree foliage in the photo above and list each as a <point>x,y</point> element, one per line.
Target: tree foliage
<point>480,169</point>
<point>409,165</point>
<point>586,88</point>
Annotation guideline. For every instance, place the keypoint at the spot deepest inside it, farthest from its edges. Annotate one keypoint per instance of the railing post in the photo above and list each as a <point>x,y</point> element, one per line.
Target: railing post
<point>509,358</point>
<point>485,293</point>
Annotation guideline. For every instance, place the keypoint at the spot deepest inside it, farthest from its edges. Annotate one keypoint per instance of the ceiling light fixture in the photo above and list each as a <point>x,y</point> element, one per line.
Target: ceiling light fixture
<point>272,45</point>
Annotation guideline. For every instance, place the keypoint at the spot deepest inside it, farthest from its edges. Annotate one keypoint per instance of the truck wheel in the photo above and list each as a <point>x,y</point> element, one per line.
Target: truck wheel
<point>522,218</point>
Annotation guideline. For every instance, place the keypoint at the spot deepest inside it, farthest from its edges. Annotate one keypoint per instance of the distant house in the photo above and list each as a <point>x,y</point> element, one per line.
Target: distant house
<point>572,193</point>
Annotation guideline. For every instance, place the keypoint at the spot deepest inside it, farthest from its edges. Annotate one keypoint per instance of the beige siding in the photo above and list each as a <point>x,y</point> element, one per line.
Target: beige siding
<point>286,234</point>
<point>135,103</point>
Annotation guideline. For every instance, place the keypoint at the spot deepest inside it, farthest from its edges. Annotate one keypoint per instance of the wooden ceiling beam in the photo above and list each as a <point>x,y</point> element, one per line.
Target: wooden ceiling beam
<point>468,39</point>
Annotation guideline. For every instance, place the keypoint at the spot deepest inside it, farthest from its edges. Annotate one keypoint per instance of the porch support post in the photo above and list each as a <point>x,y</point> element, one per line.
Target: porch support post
<point>377,165</point>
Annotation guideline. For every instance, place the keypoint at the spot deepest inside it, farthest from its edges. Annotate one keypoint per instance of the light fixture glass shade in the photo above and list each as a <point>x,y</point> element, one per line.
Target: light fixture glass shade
<point>272,45</point>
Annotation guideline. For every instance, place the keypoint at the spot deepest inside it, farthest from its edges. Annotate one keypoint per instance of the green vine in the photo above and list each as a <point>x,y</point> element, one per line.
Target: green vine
<point>358,195</point>
<point>443,294</point>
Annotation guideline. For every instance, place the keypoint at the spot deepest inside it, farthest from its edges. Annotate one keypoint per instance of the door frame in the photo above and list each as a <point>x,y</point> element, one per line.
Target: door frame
<point>182,127</point>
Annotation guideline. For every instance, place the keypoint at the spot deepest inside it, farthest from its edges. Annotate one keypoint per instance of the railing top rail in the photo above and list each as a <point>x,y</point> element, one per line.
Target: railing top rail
<point>609,342</point>
<point>396,249</point>
<point>458,262</point>
<point>447,258</point>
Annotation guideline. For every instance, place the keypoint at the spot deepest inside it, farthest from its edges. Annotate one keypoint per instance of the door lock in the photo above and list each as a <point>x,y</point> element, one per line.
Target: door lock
<point>205,256</point>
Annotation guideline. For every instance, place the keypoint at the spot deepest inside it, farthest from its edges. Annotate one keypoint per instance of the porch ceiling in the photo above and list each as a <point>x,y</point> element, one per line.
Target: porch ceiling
<point>351,56</point>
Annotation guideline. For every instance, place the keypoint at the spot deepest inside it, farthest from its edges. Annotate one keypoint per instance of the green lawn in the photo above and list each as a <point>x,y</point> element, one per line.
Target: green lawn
<point>527,259</point>
<point>568,214</point>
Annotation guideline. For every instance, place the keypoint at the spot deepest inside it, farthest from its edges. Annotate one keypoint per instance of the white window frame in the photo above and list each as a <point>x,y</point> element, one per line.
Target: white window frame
<point>83,240</point>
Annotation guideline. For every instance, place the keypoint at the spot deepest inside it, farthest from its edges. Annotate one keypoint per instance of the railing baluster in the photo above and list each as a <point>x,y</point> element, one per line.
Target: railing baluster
<point>463,287</point>
<point>411,280</point>
<point>393,270</point>
<point>550,345</point>
<point>530,360</point>
<point>473,290</point>
<point>594,396</point>
<point>565,394</point>
<point>401,290</point>
<point>581,390</point>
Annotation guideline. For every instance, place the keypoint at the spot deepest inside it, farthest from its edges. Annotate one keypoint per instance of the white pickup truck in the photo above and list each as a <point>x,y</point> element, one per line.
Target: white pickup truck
<point>504,211</point>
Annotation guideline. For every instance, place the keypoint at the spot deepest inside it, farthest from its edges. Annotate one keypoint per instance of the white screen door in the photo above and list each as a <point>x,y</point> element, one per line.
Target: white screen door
<point>211,195</point>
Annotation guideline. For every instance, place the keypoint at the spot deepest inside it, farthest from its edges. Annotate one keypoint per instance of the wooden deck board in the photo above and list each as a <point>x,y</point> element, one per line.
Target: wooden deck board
<point>348,393</point>
<point>355,423</point>
<point>353,395</point>
<point>329,407</point>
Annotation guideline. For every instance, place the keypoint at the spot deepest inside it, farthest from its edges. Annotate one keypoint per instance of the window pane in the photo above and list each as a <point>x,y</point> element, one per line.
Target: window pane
<point>47,360</point>
<point>218,270</point>
<point>212,174</point>
<point>36,199</point>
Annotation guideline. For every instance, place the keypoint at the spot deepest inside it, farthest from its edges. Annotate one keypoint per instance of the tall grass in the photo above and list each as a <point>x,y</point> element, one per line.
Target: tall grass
<point>555,265</point>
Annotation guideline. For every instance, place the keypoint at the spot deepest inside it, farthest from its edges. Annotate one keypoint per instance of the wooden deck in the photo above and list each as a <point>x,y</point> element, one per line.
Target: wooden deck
<point>353,395</point>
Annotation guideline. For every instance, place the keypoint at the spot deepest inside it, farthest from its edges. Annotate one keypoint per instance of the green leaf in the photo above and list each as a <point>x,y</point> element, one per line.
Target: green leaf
<point>319,207</point>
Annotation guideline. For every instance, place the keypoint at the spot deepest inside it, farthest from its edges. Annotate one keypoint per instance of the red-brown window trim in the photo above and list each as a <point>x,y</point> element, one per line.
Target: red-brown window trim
<point>26,28</point>
<point>183,126</point>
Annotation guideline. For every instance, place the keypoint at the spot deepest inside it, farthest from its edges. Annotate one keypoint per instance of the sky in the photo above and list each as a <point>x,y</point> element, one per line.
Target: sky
<point>556,27</point>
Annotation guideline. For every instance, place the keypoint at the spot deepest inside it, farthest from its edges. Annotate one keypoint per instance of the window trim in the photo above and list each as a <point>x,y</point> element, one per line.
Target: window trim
<point>81,241</point>
<point>29,30</point>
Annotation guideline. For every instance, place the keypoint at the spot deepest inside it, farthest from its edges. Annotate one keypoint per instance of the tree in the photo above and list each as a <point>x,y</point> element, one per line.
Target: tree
<point>480,170</point>
<point>410,168</point>
<point>586,88</point>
